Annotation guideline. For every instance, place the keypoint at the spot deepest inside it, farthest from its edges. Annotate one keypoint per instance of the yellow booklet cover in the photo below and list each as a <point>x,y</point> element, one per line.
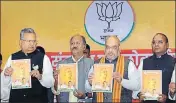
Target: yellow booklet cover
<point>102,81</point>
<point>21,78</point>
<point>152,84</point>
<point>67,79</point>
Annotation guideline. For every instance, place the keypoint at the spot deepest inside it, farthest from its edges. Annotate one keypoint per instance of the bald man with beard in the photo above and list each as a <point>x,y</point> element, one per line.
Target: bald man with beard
<point>125,79</point>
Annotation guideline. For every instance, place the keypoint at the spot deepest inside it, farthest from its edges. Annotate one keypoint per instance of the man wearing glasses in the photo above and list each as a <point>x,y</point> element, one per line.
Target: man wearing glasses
<point>41,72</point>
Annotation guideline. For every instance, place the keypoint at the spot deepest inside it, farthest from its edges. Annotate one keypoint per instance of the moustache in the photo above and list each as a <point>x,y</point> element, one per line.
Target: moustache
<point>31,47</point>
<point>110,53</point>
<point>156,48</point>
<point>74,48</point>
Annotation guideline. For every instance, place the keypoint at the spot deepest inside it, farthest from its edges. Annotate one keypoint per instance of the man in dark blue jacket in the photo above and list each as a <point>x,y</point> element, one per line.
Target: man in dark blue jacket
<point>160,60</point>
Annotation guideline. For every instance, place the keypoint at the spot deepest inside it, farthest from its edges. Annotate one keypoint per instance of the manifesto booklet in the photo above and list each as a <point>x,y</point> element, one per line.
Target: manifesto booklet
<point>102,81</point>
<point>152,84</point>
<point>21,78</point>
<point>68,78</point>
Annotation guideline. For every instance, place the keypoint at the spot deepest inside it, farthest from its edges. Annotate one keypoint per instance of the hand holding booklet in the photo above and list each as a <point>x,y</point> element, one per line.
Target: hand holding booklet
<point>102,81</point>
<point>21,78</point>
<point>152,84</point>
<point>67,79</point>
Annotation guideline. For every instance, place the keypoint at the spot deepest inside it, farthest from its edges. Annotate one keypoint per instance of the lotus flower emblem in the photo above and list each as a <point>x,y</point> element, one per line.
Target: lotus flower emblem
<point>109,12</point>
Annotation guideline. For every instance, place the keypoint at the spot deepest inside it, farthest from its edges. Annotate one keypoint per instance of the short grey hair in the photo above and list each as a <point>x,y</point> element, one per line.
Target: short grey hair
<point>26,30</point>
<point>83,38</point>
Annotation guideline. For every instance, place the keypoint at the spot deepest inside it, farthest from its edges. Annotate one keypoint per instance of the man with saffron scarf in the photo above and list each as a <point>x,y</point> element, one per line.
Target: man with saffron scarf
<point>125,75</point>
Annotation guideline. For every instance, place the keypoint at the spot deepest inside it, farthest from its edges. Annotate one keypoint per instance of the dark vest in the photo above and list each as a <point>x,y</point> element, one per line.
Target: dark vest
<point>126,95</point>
<point>36,94</point>
<point>166,64</point>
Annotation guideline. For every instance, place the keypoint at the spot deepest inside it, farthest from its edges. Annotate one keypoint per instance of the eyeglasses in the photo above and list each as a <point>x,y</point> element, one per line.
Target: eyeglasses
<point>29,41</point>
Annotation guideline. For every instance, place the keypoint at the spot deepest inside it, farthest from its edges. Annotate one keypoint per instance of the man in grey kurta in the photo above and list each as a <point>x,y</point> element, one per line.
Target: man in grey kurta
<point>77,46</point>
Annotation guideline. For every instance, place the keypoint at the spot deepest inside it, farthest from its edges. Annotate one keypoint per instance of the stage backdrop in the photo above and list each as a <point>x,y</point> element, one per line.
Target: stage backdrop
<point>56,21</point>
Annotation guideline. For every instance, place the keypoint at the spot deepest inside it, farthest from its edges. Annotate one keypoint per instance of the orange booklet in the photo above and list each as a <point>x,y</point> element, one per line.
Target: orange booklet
<point>21,78</point>
<point>152,84</point>
<point>67,79</point>
<point>102,81</point>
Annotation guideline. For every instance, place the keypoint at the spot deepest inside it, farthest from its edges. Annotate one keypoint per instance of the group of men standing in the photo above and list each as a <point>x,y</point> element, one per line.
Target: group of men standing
<point>126,77</point>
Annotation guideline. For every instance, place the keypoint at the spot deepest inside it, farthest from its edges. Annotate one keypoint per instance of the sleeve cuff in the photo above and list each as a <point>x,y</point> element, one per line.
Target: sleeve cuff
<point>54,91</point>
<point>7,80</point>
<point>47,82</point>
<point>88,86</point>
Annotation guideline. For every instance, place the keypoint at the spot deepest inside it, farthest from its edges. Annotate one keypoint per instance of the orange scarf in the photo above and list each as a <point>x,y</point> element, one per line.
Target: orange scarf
<point>116,94</point>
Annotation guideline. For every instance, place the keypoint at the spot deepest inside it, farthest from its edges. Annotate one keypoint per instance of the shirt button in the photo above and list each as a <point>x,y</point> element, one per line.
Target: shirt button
<point>24,95</point>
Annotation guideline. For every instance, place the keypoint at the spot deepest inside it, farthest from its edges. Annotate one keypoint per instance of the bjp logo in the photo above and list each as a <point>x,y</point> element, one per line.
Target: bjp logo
<point>109,12</point>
